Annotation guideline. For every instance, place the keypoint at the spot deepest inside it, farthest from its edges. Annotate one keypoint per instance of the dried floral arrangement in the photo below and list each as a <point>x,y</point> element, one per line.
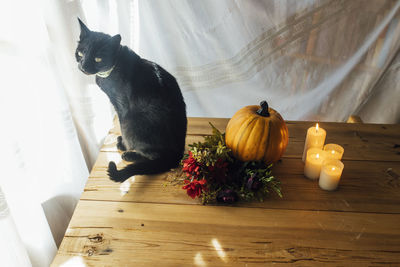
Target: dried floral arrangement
<point>212,174</point>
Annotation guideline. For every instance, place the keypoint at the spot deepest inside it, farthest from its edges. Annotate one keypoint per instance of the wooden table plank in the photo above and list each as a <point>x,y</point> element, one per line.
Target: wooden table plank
<point>127,233</point>
<point>361,141</point>
<point>299,192</point>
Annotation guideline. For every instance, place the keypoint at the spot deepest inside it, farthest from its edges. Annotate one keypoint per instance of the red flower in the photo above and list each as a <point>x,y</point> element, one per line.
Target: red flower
<point>195,188</point>
<point>191,166</point>
<point>219,170</point>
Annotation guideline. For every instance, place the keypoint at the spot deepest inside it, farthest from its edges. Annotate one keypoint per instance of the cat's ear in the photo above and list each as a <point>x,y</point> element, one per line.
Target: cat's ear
<point>116,40</point>
<point>84,30</point>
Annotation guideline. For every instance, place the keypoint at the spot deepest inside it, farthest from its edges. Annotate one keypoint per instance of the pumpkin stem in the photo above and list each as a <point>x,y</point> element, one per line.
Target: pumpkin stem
<point>263,111</point>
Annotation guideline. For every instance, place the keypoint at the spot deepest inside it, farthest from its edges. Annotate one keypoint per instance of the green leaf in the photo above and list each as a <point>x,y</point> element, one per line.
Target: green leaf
<point>214,148</point>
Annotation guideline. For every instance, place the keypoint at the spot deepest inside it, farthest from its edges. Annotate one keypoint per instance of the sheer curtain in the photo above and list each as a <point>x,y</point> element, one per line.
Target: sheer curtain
<point>311,60</point>
<point>53,122</point>
<point>322,60</point>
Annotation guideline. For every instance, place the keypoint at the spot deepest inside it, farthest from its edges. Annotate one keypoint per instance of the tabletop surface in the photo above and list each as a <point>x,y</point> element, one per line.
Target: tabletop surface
<point>158,225</point>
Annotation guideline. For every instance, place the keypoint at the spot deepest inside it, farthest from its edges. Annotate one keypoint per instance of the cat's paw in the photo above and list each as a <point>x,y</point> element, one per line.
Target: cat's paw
<point>113,172</point>
<point>120,144</point>
<point>129,156</point>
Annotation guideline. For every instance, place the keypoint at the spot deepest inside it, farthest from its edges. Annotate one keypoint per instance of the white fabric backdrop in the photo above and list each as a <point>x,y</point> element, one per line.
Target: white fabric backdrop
<point>53,123</point>
<point>312,60</point>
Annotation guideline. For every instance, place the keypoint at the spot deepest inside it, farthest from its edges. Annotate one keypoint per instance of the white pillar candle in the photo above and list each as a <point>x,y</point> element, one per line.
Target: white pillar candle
<point>333,151</point>
<point>314,159</point>
<point>331,171</point>
<point>315,138</point>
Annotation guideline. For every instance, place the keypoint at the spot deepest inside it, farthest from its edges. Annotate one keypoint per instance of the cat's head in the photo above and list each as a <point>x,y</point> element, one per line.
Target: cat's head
<point>96,51</point>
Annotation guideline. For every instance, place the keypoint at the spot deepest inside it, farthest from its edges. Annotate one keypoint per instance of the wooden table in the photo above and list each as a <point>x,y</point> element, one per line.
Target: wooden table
<point>157,225</point>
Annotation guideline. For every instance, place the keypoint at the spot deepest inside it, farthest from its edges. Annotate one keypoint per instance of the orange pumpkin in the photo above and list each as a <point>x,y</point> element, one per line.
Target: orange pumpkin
<point>258,134</point>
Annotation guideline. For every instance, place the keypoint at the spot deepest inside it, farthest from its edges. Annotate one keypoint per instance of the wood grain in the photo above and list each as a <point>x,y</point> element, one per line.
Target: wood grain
<point>377,178</point>
<point>153,224</point>
<point>360,141</point>
<point>141,234</point>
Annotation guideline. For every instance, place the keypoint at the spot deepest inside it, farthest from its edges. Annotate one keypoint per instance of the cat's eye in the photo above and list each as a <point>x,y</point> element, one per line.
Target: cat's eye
<point>97,59</point>
<point>80,54</point>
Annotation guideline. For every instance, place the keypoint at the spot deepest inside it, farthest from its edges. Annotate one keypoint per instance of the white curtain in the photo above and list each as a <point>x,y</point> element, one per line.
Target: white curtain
<point>311,60</point>
<point>53,122</point>
<point>11,242</point>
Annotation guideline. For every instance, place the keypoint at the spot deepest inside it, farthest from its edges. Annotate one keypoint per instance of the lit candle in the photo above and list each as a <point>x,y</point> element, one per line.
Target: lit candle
<point>315,138</point>
<point>331,172</point>
<point>333,151</point>
<point>314,159</point>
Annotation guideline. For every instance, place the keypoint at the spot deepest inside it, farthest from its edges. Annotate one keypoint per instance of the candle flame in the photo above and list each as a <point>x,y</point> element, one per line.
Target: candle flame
<point>317,156</point>
<point>333,151</point>
<point>316,127</point>
<point>333,168</point>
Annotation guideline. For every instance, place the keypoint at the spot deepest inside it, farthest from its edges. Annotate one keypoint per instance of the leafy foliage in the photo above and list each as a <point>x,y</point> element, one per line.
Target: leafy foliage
<point>212,149</point>
<point>223,178</point>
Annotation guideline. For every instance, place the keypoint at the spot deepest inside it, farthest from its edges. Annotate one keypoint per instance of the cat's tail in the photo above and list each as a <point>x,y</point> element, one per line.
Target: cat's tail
<point>146,167</point>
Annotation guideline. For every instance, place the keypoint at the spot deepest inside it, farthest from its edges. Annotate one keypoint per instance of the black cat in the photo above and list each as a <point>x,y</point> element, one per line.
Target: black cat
<point>147,99</point>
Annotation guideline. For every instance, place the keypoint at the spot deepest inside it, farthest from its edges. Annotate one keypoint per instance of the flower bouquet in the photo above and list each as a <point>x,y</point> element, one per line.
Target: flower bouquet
<point>213,175</point>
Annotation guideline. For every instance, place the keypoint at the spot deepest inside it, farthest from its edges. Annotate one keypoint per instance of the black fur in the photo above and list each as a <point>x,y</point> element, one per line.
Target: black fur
<point>147,99</point>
